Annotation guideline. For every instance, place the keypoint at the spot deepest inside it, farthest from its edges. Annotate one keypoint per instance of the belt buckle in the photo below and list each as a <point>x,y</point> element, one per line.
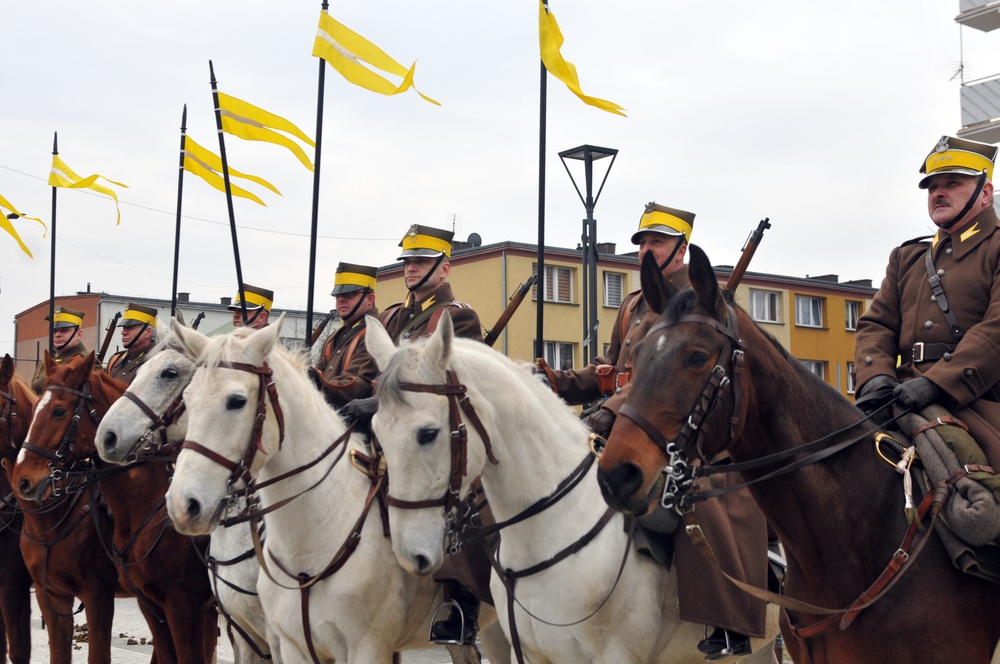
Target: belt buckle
<point>623,378</point>
<point>918,352</point>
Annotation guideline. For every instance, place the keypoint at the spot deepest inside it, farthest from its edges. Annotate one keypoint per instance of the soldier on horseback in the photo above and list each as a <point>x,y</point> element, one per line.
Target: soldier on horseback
<point>258,305</point>
<point>735,526</point>
<point>138,327</point>
<point>67,337</point>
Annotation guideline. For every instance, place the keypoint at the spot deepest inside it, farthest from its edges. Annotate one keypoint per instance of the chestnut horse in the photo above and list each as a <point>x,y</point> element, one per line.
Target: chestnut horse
<point>707,379</point>
<point>57,534</point>
<point>16,403</point>
<point>161,566</point>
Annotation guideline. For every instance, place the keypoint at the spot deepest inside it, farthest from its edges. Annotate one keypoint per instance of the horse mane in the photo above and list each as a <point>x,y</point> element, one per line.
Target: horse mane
<point>223,348</point>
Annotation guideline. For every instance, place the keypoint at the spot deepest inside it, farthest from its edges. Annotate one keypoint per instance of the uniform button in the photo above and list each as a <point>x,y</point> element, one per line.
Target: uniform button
<point>946,357</point>
<point>628,342</point>
<point>638,320</point>
<point>948,251</point>
<point>969,372</point>
<point>933,298</point>
<point>411,317</point>
<point>940,272</point>
<point>868,359</point>
<point>928,324</point>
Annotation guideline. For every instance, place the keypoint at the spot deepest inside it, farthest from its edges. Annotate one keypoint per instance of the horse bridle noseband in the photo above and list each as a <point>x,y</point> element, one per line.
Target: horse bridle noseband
<point>679,474</point>
<point>59,462</point>
<point>266,391</point>
<point>457,395</point>
<point>157,423</point>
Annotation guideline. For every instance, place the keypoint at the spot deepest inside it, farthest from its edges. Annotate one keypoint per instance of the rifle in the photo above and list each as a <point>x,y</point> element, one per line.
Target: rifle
<point>749,247</point>
<point>322,326</point>
<point>109,332</point>
<point>493,334</point>
<point>197,320</point>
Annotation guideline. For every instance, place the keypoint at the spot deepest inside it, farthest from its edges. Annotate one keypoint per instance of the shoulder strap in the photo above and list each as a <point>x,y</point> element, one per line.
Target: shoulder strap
<point>938,290</point>
<point>351,346</point>
<point>434,314</point>
<point>629,313</point>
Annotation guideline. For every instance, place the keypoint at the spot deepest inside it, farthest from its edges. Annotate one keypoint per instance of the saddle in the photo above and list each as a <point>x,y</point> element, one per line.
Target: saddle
<point>969,526</point>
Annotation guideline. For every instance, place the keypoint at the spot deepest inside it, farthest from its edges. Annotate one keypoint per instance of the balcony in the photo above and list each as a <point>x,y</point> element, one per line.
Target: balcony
<point>980,103</point>
<point>979,14</point>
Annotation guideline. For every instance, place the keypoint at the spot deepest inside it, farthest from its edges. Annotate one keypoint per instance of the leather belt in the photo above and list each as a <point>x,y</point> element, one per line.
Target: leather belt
<point>927,352</point>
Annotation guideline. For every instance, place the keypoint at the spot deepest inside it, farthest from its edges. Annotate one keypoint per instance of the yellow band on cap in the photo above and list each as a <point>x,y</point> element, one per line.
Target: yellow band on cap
<point>658,218</point>
<point>141,316</point>
<point>255,298</point>
<point>354,279</point>
<point>63,317</point>
<point>959,159</point>
<point>427,242</point>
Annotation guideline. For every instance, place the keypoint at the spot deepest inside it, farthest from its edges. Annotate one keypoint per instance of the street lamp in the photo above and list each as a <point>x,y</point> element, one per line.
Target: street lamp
<point>588,154</point>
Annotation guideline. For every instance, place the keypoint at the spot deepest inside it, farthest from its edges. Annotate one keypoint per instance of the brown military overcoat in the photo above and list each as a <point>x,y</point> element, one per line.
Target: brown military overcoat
<point>413,318</point>
<point>73,354</point>
<point>345,364</point>
<point>903,314</point>
<point>733,524</point>
<point>124,365</point>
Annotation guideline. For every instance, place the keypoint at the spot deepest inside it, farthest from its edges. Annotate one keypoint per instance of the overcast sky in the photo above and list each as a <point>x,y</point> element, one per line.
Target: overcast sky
<point>816,115</point>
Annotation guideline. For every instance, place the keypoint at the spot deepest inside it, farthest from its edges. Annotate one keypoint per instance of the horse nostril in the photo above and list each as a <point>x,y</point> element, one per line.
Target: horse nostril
<point>621,481</point>
<point>110,440</point>
<point>24,486</point>
<point>193,508</point>
<point>422,562</point>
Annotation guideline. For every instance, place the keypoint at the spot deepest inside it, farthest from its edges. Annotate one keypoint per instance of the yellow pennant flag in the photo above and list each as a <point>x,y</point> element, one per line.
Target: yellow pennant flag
<point>208,166</point>
<point>345,50</point>
<point>62,175</point>
<point>9,227</point>
<point>247,121</point>
<point>551,40</point>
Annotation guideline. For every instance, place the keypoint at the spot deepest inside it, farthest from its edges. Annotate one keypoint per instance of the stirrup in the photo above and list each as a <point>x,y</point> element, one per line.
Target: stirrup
<point>461,615</point>
<point>732,648</point>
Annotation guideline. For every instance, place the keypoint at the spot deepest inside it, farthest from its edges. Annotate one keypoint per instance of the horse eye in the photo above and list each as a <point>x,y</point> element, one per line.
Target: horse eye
<point>58,411</point>
<point>235,402</point>
<point>697,360</point>
<point>427,436</point>
<point>169,372</point>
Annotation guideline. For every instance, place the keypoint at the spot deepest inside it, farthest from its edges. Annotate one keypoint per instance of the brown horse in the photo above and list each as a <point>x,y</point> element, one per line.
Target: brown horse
<point>16,403</point>
<point>160,566</point>
<point>57,534</point>
<point>703,386</point>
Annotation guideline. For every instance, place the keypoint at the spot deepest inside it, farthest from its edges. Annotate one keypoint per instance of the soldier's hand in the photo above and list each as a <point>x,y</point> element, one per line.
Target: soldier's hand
<point>918,393</point>
<point>874,396</point>
<point>601,421</point>
<point>316,377</point>
<point>360,412</point>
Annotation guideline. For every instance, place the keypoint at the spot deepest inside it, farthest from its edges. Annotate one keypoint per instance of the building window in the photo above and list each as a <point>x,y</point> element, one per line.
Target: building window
<point>559,355</point>
<point>558,284</point>
<point>850,377</point>
<point>764,306</point>
<point>808,311</point>
<point>852,310</point>
<point>818,367</point>
<point>614,284</point>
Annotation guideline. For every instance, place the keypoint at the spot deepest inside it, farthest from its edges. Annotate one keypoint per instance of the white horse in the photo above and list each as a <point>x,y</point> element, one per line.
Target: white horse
<point>537,441</point>
<point>370,606</point>
<point>128,429</point>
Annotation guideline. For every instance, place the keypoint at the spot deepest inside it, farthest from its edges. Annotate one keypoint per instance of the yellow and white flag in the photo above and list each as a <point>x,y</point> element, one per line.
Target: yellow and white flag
<point>208,166</point>
<point>9,227</point>
<point>247,121</point>
<point>345,50</point>
<point>62,175</point>
<point>551,40</point>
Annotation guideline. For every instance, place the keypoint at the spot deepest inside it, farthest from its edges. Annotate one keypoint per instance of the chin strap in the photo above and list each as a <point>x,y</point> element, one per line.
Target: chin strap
<point>968,206</point>
<point>428,275</point>
<point>68,341</point>
<point>350,315</point>
<point>128,346</point>
<point>664,264</point>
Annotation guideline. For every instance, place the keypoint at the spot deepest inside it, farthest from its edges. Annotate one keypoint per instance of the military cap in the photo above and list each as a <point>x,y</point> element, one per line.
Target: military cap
<point>66,317</point>
<point>256,298</point>
<point>662,219</point>
<point>957,155</point>
<point>351,277</point>
<point>425,241</point>
<point>138,314</point>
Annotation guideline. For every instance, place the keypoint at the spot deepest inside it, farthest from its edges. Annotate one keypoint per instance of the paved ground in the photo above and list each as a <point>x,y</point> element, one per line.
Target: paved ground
<point>131,634</point>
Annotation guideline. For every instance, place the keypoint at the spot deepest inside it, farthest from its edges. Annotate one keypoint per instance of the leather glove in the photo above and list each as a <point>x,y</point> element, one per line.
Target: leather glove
<point>601,421</point>
<point>360,412</point>
<point>918,393</point>
<point>874,395</point>
<point>316,377</point>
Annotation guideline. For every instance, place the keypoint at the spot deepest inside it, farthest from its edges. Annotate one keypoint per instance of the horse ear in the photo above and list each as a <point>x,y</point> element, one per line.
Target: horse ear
<point>438,350</point>
<point>654,287</point>
<point>378,342</point>
<point>704,282</point>
<point>85,366</point>
<point>50,363</point>
<point>191,340</point>
<point>263,340</point>
<point>6,369</point>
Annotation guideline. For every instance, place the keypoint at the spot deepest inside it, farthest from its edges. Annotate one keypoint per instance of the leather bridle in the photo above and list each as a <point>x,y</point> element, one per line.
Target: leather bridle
<point>59,461</point>
<point>158,423</point>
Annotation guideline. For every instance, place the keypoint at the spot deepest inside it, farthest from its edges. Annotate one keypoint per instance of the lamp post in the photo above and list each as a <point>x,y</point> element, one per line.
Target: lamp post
<point>588,154</point>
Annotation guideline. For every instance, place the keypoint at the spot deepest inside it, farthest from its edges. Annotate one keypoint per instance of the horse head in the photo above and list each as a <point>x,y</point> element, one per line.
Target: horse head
<point>228,422</point>
<point>61,435</point>
<point>152,404</point>
<point>680,404</point>
<point>425,445</point>
<point>17,402</point>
